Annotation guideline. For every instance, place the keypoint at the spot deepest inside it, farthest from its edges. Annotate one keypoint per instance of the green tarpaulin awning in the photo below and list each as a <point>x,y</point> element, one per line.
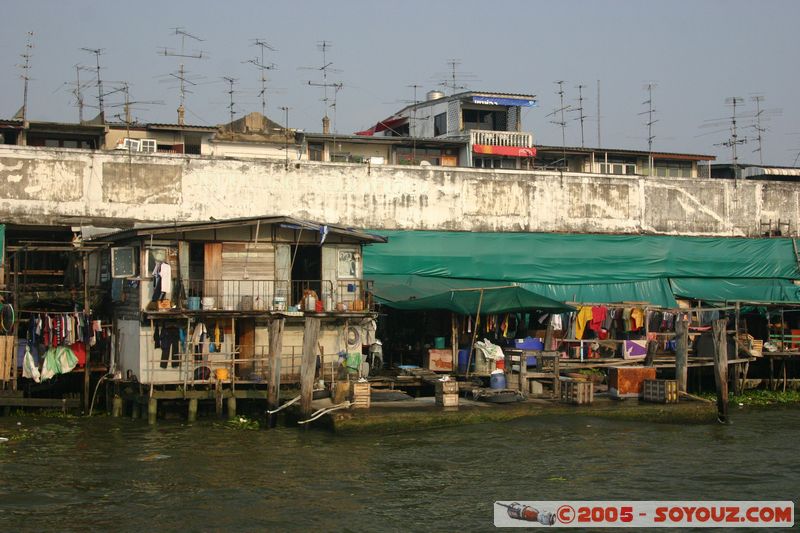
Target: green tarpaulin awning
<point>494,300</point>
<point>737,290</point>
<point>578,258</point>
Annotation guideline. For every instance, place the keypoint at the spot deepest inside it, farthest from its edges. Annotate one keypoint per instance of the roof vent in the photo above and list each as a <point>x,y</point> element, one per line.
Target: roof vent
<point>435,95</point>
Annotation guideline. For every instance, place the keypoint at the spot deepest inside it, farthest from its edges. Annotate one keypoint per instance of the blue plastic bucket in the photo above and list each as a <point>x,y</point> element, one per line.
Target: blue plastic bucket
<point>194,303</point>
<point>497,381</point>
<point>463,358</point>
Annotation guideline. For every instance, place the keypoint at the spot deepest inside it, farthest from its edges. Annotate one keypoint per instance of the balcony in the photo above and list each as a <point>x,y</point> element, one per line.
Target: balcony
<point>501,138</point>
<point>252,295</point>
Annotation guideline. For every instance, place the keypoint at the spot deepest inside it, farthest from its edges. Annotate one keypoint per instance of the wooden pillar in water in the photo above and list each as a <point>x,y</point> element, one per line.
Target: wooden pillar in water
<point>721,367</point>
<point>192,410</point>
<point>681,352</point>
<point>116,409</point>
<point>231,406</point>
<point>152,411</point>
<point>136,409</point>
<point>275,349</point>
<point>308,364</point>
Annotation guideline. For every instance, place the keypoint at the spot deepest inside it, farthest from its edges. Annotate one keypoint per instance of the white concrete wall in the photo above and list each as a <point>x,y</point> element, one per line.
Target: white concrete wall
<point>64,186</point>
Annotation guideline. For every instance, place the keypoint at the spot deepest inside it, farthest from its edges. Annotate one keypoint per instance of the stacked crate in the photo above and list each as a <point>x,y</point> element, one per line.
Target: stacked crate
<point>360,394</point>
<point>447,393</point>
<point>577,392</point>
<point>660,390</point>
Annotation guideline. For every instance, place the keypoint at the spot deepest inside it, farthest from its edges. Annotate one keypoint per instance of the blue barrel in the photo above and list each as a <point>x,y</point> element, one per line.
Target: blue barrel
<point>463,359</point>
<point>194,303</point>
<point>497,381</point>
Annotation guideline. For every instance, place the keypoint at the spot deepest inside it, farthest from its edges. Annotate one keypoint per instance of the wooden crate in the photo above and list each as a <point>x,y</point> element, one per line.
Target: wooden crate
<point>446,387</point>
<point>577,392</point>
<point>546,362</point>
<point>660,391</point>
<point>447,400</point>
<point>360,395</point>
<point>626,381</point>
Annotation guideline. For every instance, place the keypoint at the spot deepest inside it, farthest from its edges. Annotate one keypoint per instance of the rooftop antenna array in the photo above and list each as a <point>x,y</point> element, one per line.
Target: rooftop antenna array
<point>734,140</point>
<point>181,74</point>
<point>581,117</point>
<point>757,126</point>
<point>761,115</point>
<point>26,68</point>
<point>77,91</point>
<point>230,92</point>
<point>98,80</point>
<point>325,69</point>
<point>562,121</point>
<point>650,112</point>
<point>454,80</point>
<point>263,67</point>
<point>127,104</point>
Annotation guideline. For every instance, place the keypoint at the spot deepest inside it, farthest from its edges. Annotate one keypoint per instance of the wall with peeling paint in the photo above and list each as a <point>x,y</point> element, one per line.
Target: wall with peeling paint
<point>63,186</point>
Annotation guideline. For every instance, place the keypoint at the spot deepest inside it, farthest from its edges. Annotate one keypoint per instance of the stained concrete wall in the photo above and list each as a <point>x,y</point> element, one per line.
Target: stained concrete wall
<point>50,185</point>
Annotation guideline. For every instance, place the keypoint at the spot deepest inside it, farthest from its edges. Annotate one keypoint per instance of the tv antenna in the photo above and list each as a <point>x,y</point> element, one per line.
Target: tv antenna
<point>650,112</point>
<point>286,136</point>
<point>99,81</point>
<point>181,74</point>
<point>325,70</point>
<point>562,122</point>
<point>581,117</point>
<point>263,67</point>
<point>761,115</point>
<point>454,80</point>
<point>734,140</point>
<point>230,92</point>
<point>77,91</point>
<point>127,104</point>
<point>26,69</point>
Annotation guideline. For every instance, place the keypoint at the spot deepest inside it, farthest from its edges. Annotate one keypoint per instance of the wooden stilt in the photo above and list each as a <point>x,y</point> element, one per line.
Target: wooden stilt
<point>136,410</point>
<point>771,373</point>
<point>783,365</point>
<point>651,353</point>
<point>744,376</point>
<point>308,364</point>
<point>218,398</point>
<point>721,367</point>
<point>86,373</point>
<point>275,349</point>
<point>231,407</point>
<point>152,411</point>
<point>116,410</point>
<point>507,363</point>
<point>523,374</point>
<point>681,353</point>
<point>192,410</point>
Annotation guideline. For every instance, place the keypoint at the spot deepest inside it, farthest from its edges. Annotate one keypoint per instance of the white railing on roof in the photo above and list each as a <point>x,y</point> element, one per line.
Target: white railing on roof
<point>501,138</point>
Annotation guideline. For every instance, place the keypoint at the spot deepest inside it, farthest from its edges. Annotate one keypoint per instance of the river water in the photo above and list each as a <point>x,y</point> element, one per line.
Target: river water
<point>123,475</point>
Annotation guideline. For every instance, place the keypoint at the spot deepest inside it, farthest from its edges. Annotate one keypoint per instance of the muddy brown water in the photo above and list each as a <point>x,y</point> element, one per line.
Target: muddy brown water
<point>105,474</point>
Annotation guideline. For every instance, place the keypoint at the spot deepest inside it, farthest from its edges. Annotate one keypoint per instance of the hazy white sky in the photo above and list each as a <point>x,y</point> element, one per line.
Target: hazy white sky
<point>697,52</point>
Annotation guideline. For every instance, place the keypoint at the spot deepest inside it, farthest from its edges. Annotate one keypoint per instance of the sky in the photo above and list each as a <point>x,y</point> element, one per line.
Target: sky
<point>696,53</point>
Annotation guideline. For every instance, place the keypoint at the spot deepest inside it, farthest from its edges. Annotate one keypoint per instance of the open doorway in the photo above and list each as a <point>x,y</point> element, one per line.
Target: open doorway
<point>306,270</point>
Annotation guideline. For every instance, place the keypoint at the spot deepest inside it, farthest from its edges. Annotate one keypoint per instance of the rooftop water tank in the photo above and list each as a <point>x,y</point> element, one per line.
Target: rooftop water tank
<point>435,95</point>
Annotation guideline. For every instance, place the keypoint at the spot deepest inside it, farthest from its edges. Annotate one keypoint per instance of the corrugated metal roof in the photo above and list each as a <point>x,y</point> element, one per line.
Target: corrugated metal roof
<point>245,221</point>
<point>579,149</point>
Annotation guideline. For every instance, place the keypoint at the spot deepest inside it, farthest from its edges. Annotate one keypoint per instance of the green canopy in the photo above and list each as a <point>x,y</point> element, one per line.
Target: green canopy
<point>737,290</point>
<point>578,258</point>
<point>495,300</point>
